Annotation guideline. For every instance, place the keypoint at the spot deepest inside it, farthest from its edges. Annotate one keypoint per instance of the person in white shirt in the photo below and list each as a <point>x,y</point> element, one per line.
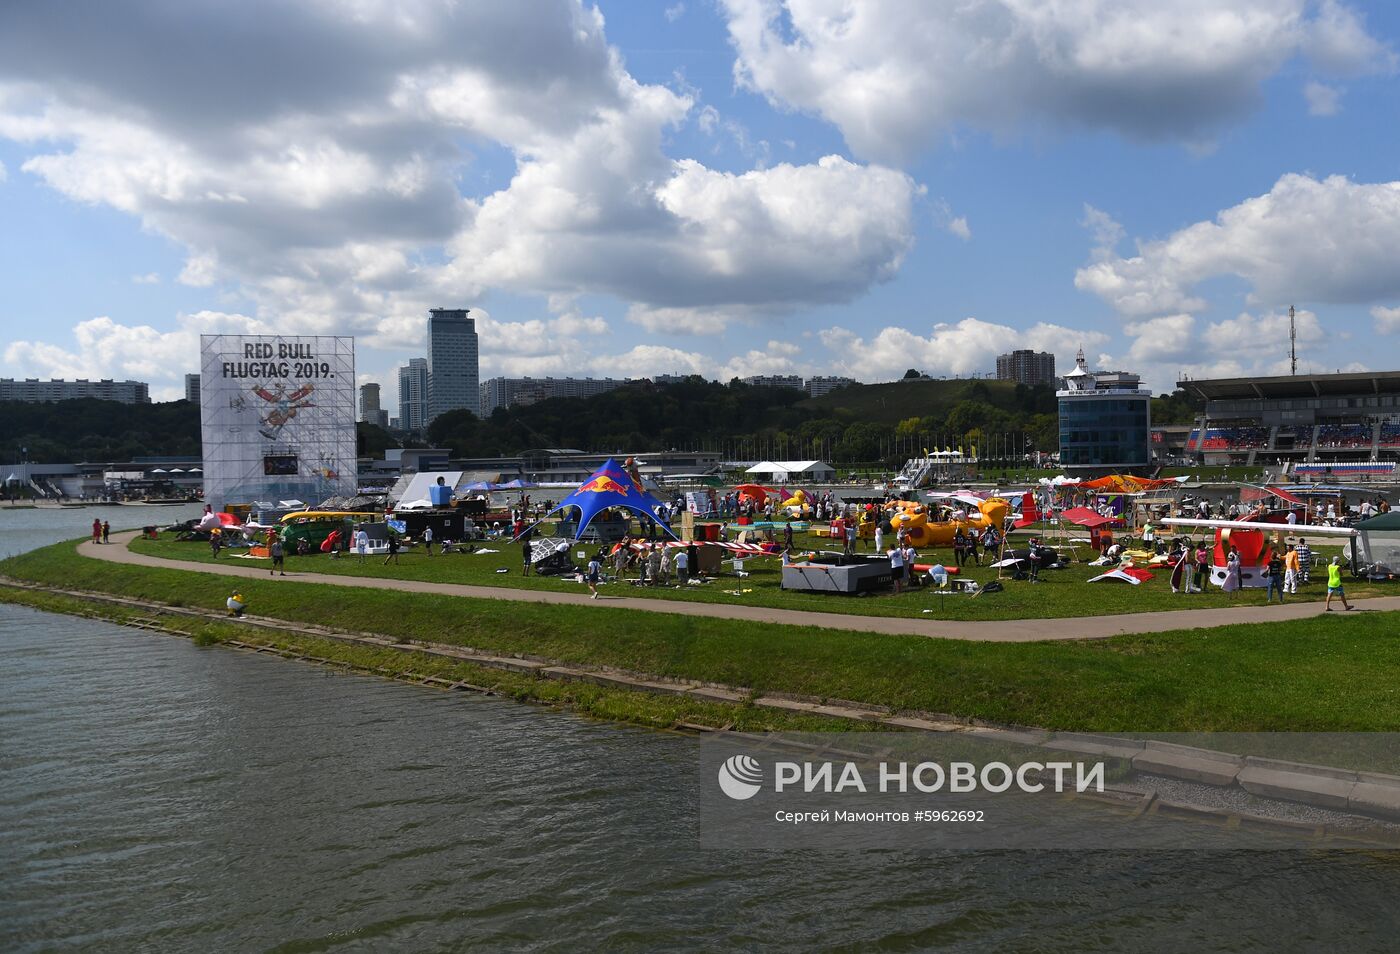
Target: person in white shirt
<point>896,556</point>
<point>428,540</point>
<point>1292,518</point>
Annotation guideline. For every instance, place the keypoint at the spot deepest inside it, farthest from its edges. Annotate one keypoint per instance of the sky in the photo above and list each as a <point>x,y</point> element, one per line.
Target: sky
<point>722,187</point>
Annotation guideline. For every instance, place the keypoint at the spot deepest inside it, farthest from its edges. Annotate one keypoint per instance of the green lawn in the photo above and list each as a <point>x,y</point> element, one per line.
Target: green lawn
<point>1062,593</point>
<point>1334,673</point>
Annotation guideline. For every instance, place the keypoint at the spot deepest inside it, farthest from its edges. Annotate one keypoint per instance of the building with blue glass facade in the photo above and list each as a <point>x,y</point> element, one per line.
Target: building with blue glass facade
<point>1105,422</point>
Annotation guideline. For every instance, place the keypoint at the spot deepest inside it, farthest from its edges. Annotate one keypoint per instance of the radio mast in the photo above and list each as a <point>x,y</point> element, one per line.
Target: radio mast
<point>1292,341</point>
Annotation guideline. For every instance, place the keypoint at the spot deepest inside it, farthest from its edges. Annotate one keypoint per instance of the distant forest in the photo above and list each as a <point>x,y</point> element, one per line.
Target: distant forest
<point>875,423</point>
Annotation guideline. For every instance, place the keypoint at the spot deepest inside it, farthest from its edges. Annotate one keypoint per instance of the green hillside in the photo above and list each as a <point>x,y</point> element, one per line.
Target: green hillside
<point>898,400</point>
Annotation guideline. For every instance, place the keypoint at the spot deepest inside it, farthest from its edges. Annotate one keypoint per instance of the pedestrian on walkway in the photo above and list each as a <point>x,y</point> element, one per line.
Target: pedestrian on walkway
<point>1334,585</point>
<point>278,561</point>
<point>593,574</point>
<point>1275,572</point>
<point>96,530</point>
<point>106,532</point>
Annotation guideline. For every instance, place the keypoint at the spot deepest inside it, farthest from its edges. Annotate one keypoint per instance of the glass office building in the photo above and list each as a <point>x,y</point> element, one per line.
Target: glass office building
<point>453,382</point>
<point>1105,423</point>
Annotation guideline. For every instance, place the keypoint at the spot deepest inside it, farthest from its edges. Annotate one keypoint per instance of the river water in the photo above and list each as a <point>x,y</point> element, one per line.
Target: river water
<point>155,795</point>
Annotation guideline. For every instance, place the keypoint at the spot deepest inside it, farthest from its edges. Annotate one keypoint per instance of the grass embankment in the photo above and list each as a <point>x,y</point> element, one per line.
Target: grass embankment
<point>405,664</point>
<point>1060,594</point>
<point>1325,674</point>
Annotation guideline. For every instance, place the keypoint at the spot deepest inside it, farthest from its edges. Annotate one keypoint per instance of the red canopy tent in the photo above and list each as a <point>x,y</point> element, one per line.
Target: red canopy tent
<point>1091,519</point>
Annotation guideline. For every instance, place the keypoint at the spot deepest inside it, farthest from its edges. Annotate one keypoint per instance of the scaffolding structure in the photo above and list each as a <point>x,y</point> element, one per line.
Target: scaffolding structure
<point>277,417</point>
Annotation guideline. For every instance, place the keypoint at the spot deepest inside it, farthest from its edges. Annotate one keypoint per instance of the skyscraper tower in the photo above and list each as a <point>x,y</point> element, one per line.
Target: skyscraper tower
<point>413,395</point>
<point>453,378</point>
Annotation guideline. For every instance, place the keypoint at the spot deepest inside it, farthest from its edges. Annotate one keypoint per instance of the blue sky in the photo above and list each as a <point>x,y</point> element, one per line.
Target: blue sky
<point>728,187</point>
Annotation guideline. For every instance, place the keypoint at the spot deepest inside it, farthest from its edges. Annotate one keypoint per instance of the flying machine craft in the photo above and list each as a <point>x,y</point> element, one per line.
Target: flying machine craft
<point>1250,538</point>
<point>923,531</point>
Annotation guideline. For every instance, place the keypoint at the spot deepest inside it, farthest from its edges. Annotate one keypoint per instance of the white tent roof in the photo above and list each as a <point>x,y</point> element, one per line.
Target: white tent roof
<point>788,466</point>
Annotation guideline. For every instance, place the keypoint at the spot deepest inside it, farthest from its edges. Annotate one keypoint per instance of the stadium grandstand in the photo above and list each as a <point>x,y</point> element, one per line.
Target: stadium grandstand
<point>1306,423</point>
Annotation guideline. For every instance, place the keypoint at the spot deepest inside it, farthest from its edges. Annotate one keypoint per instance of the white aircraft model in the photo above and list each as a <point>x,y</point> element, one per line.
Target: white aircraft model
<point>1300,529</point>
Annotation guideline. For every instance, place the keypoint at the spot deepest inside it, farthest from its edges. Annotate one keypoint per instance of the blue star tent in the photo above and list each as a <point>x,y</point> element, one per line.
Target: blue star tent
<point>610,486</point>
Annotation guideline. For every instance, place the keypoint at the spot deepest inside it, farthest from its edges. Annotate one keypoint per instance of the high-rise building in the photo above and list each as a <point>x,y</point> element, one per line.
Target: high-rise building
<point>823,384</point>
<point>370,411</point>
<point>413,395</point>
<point>1026,366</point>
<point>1105,422</point>
<point>453,379</point>
<point>192,388</point>
<point>507,392</point>
<point>369,401</point>
<point>35,391</point>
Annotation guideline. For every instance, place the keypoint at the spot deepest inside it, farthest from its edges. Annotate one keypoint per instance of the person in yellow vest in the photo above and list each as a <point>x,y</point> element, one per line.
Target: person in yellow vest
<point>1334,585</point>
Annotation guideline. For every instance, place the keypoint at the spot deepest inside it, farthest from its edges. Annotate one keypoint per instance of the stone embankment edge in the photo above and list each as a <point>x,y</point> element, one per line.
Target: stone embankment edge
<point>1362,793</point>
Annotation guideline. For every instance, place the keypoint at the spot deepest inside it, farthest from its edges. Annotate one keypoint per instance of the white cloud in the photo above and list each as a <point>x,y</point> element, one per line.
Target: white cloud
<point>1387,319</point>
<point>966,348</point>
<point>1329,240</point>
<point>1265,334</point>
<point>1338,42</point>
<point>1170,337</point>
<point>107,349</point>
<point>944,218</point>
<point>674,12</point>
<point>326,184</point>
<point>4,174</point>
<point>1323,100</point>
<point>894,74</point>
<point>149,278</point>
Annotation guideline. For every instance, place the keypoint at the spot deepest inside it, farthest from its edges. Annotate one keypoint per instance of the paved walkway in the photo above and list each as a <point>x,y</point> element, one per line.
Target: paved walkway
<point>991,631</point>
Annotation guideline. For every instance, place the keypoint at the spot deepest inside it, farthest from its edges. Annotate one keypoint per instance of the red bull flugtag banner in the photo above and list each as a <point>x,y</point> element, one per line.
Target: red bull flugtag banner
<point>277,417</point>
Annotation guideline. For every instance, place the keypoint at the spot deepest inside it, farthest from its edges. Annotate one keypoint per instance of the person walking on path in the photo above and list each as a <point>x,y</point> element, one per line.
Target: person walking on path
<point>593,574</point>
<point>106,532</point>
<point>96,530</point>
<point>393,550</point>
<point>1276,577</point>
<point>1334,585</point>
<point>1304,561</point>
<point>278,558</point>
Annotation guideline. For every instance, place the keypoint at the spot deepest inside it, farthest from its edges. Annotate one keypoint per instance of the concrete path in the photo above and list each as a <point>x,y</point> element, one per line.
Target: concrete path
<point>992,631</point>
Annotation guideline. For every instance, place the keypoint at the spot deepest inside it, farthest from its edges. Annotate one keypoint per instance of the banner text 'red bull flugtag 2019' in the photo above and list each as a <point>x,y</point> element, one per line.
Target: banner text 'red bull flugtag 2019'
<point>278,417</point>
